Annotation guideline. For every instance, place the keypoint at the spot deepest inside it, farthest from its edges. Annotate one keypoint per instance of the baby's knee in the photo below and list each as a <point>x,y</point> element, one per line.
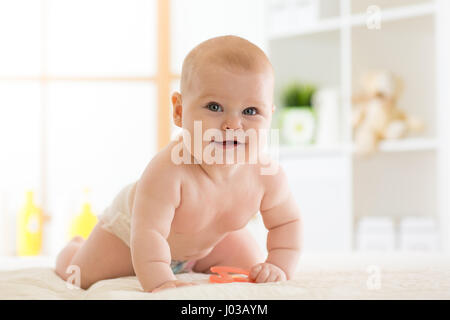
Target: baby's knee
<point>73,275</point>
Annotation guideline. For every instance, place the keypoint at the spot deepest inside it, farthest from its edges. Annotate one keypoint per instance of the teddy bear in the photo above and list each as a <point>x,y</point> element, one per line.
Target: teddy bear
<point>375,115</point>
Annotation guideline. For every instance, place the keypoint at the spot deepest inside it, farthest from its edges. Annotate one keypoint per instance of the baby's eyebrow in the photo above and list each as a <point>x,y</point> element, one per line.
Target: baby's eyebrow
<point>256,104</point>
<point>207,95</point>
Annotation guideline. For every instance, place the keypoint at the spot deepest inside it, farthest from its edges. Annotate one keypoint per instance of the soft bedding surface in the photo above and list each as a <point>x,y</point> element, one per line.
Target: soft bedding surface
<point>319,276</point>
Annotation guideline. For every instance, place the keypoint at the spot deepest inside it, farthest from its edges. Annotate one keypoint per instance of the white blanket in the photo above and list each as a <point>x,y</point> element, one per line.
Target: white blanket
<point>319,276</point>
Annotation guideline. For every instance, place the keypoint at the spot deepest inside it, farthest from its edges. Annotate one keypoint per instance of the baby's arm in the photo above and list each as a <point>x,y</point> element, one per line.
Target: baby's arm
<point>281,217</point>
<point>154,206</point>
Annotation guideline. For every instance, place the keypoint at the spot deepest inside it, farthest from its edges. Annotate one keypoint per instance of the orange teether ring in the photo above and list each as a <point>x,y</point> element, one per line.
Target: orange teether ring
<point>228,274</point>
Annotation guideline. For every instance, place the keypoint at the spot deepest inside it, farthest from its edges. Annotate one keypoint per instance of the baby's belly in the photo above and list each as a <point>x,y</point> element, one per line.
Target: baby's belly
<point>197,229</point>
<point>186,247</point>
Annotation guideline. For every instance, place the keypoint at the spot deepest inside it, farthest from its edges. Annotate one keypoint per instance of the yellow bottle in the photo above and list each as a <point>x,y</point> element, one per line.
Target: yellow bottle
<point>84,222</point>
<point>29,228</point>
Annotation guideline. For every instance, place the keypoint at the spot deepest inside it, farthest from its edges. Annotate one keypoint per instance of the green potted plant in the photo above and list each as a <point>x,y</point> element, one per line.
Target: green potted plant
<point>297,119</point>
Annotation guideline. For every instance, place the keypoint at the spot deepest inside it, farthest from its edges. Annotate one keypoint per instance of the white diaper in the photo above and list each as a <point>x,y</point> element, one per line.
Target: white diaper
<point>116,218</point>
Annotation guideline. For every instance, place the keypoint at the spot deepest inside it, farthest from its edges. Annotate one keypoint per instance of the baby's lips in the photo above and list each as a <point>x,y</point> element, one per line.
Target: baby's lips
<point>229,141</point>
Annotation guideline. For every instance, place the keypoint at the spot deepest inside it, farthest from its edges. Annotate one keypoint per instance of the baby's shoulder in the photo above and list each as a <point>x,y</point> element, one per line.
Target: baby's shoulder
<point>162,166</point>
<point>272,174</point>
<point>160,179</point>
<point>274,182</point>
<point>268,169</point>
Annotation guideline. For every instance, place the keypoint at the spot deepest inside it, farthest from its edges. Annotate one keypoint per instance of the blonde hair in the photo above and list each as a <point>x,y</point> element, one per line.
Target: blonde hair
<point>230,52</point>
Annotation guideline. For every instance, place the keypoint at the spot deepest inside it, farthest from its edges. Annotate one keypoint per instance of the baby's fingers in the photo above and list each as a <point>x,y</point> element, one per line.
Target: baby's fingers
<point>274,276</point>
<point>164,286</point>
<point>173,284</point>
<point>263,275</point>
<point>182,284</point>
<point>255,271</point>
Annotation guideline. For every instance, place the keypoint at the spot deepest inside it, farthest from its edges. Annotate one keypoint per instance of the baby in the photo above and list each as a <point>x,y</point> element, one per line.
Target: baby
<point>189,216</point>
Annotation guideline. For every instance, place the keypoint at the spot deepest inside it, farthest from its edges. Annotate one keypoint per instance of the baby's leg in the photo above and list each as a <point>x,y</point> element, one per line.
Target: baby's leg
<point>238,249</point>
<point>101,256</point>
<point>66,255</point>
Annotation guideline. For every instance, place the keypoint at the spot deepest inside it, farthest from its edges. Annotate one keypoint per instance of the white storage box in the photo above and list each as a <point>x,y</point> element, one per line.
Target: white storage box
<point>418,234</point>
<point>375,234</point>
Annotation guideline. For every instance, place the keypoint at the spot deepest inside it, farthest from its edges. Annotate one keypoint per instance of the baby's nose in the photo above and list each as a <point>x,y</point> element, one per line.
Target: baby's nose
<point>232,123</point>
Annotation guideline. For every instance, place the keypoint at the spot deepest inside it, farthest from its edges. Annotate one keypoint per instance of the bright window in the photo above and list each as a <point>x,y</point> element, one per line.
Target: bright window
<point>78,104</point>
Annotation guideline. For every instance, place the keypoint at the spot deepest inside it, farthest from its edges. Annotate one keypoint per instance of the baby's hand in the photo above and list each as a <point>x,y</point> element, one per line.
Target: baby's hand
<point>173,284</point>
<point>266,272</point>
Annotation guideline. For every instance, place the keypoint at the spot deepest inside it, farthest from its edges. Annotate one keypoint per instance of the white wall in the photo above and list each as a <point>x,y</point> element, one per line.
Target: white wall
<point>443,101</point>
<point>194,21</point>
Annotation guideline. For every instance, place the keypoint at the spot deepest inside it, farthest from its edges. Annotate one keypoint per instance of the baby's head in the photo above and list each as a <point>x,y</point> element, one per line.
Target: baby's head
<point>227,83</point>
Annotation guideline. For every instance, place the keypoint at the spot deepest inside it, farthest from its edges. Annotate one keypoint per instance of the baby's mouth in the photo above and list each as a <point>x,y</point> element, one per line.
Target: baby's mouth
<point>227,143</point>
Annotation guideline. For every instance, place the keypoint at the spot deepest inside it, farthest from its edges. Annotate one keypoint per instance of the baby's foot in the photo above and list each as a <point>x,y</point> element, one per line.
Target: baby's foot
<point>77,239</point>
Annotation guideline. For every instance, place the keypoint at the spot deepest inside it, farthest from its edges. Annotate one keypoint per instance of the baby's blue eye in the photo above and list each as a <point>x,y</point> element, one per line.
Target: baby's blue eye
<point>214,107</point>
<point>249,111</point>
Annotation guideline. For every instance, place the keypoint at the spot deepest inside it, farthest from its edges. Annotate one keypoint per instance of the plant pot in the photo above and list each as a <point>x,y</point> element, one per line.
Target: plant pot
<point>297,125</point>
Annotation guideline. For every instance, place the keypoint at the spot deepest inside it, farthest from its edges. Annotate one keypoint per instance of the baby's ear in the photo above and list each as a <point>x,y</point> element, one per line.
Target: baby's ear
<point>177,108</point>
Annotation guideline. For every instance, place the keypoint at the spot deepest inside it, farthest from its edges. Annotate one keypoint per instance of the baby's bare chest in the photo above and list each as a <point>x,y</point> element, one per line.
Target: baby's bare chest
<point>215,210</point>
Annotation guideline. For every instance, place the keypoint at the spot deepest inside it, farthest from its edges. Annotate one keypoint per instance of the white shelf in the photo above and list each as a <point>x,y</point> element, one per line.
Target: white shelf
<point>324,25</point>
<point>402,145</point>
<point>409,144</point>
<point>405,176</point>
<point>336,23</point>
<point>405,12</point>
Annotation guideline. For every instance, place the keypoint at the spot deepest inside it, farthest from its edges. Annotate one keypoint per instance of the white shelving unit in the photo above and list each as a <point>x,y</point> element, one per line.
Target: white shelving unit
<point>335,188</point>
